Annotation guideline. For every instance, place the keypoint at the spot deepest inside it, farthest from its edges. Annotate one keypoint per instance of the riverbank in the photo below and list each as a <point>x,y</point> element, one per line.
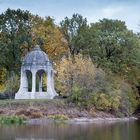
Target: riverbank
<point>59,108</point>
<point>44,121</point>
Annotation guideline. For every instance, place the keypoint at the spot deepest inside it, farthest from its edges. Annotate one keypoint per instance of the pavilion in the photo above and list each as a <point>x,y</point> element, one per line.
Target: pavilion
<point>35,65</point>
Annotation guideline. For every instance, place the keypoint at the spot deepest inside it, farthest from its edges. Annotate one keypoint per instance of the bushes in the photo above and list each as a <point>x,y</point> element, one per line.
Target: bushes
<point>11,120</point>
<point>115,104</point>
<point>109,94</point>
<point>101,102</point>
<point>10,87</point>
<point>129,100</point>
<point>58,117</point>
<point>79,71</point>
<point>105,102</point>
<point>77,95</point>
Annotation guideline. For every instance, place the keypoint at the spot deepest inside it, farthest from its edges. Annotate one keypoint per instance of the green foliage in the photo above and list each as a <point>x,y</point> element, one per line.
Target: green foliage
<point>11,120</point>
<point>110,94</point>
<point>128,99</point>
<point>12,84</point>
<point>118,100</point>
<point>19,31</point>
<point>58,117</point>
<point>101,102</point>
<point>14,32</point>
<point>106,102</point>
<point>113,47</point>
<point>73,29</point>
<point>115,104</point>
<point>78,95</point>
<point>2,79</point>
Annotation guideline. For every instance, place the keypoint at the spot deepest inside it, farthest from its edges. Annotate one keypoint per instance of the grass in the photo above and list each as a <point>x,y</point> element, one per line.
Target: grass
<point>29,102</point>
<point>12,120</point>
<point>58,117</point>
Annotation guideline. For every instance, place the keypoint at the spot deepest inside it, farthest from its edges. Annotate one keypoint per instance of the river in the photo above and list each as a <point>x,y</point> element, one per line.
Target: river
<point>127,130</point>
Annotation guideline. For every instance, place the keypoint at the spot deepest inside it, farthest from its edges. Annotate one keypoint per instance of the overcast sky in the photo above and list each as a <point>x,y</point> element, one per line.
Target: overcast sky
<point>93,10</point>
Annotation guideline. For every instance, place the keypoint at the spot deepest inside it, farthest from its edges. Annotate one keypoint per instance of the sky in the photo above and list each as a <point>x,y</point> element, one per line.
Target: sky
<point>93,10</point>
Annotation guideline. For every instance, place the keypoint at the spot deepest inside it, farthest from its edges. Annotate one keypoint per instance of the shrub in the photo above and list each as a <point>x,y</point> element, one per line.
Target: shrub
<point>12,84</point>
<point>116,103</point>
<point>12,120</point>
<point>80,96</point>
<point>101,101</point>
<point>79,71</point>
<point>88,86</point>
<point>128,99</point>
<point>58,117</point>
<point>77,94</point>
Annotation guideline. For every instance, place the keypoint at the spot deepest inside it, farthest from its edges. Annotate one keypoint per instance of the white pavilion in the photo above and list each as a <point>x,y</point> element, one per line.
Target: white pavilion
<point>36,63</point>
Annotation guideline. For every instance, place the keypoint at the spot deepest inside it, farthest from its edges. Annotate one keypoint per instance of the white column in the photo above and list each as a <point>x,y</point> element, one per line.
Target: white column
<point>52,79</point>
<point>49,85</point>
<point>40,83</point>
<point>52,83</point>
<point>33,84</point>
<point>23,81</point>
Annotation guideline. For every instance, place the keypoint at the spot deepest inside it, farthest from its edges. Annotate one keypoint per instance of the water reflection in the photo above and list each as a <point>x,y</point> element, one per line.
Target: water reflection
<point>57,131</point>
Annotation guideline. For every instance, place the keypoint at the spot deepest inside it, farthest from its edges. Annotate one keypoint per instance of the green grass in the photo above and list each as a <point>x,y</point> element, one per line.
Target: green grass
<point>58,117</point>
<point>29,102</point>
<point>12,120</point>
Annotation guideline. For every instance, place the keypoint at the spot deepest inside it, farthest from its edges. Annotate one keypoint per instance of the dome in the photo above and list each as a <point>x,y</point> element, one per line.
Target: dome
<point>36,57</point>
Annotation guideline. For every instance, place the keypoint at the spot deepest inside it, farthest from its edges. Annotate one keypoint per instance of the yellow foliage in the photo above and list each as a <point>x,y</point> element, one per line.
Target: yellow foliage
<point>2,79</point>
<point>50,36</point>
<point>116,101</point>
<point>101,101</point>
<point>79,71</point>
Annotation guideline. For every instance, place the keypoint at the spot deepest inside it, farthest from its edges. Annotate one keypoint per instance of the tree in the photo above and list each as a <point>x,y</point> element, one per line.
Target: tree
<point>81,74</point>
<point>49,36</point>
<point>112,46</point>
<point>73,30</point>
<point>14,32</point>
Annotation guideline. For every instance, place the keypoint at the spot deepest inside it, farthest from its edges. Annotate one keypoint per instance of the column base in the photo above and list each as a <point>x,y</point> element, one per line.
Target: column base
<point>35,95</point>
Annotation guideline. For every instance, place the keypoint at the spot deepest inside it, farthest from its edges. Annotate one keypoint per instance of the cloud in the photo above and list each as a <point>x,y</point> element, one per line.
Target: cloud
<point>126,10</point>
<point>127,13</point>
<point>110,12</point>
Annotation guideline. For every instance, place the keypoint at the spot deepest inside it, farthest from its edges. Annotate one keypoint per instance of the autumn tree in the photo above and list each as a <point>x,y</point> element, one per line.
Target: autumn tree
<point>49,36</point>
<point>69,74</point>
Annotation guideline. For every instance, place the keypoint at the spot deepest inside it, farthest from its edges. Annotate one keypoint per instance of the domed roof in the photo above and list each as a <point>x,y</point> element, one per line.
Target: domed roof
<point>36,57</point>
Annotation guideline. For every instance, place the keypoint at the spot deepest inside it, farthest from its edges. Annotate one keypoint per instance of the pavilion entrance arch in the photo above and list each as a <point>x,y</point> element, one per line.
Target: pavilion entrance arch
<point>29,80</point>
<point>41,81</point>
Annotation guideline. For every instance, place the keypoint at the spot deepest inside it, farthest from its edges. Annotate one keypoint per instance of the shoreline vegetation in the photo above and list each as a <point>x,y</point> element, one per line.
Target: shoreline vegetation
<point>45,111</point>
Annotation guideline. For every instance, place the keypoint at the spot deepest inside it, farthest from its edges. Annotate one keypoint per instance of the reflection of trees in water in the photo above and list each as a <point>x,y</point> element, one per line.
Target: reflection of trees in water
<point>57,131</point>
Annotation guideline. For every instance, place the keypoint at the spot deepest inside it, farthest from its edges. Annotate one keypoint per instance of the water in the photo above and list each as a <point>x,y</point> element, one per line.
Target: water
<point>61,131</point>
